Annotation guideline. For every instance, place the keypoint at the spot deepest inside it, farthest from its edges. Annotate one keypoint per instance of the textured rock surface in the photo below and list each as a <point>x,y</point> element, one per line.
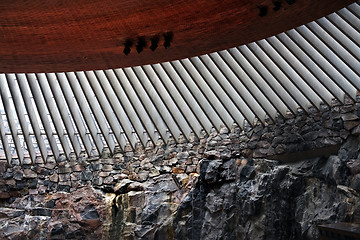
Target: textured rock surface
<point>269,199</point>
<point>221,185</point>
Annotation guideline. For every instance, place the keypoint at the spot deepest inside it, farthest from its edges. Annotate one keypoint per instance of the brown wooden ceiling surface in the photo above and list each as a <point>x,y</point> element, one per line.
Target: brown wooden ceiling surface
<point>57,35</point>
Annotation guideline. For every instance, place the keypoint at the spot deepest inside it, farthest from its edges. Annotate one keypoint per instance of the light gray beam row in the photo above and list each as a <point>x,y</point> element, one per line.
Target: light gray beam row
<point>343,22</point>
<point>144,89</point>
<point>270,70</point>
<point>313,60</point>
<point>64,113</point>
<point>338,54</point>
<point>164,84</point>
<point>186,96</point>
<point>54,113</point>
<point>108,113</point>
<point>163,95</point>
<point>185,81</point>
<point>142,104</point>
<point>74,111</point>
<point>331,57</point>
<point>25,93</point>
<point>136,121</point>
<point>117,109</point>
<point>207,92</point>
<point>19,110</point>
<point>229,98</point>
<point>247,105</point>
<point>306,68</point>
<point>10,115</point>
<point>43,113</point>
<point>314,92</point>
<point>346,36</point>
<point>258,72</point>
<point>84,107</point>
<point>258,87</point>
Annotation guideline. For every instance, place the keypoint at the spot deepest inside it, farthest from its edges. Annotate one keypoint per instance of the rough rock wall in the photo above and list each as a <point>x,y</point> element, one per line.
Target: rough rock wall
<point>272,181</point>
<point>266,199</point>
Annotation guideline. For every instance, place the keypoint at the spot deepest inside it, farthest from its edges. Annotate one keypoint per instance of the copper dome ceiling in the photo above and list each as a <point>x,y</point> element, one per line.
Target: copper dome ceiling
<point>77,35</point>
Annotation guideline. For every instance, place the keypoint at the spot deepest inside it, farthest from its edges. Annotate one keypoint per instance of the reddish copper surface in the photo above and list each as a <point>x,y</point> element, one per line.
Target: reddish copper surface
<point>58,35</point>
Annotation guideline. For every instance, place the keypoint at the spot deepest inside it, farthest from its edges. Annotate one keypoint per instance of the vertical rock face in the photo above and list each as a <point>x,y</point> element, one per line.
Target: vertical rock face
<point>271,200</point>
<point>273,181</point>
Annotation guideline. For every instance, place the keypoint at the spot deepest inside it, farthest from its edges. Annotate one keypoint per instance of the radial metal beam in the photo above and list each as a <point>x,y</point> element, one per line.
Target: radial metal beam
<point>4,140</point>
<point>163,95</point>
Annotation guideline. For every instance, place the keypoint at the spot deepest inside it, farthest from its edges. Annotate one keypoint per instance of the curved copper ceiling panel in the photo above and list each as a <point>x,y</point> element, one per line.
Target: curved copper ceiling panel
<point>56,35</point>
